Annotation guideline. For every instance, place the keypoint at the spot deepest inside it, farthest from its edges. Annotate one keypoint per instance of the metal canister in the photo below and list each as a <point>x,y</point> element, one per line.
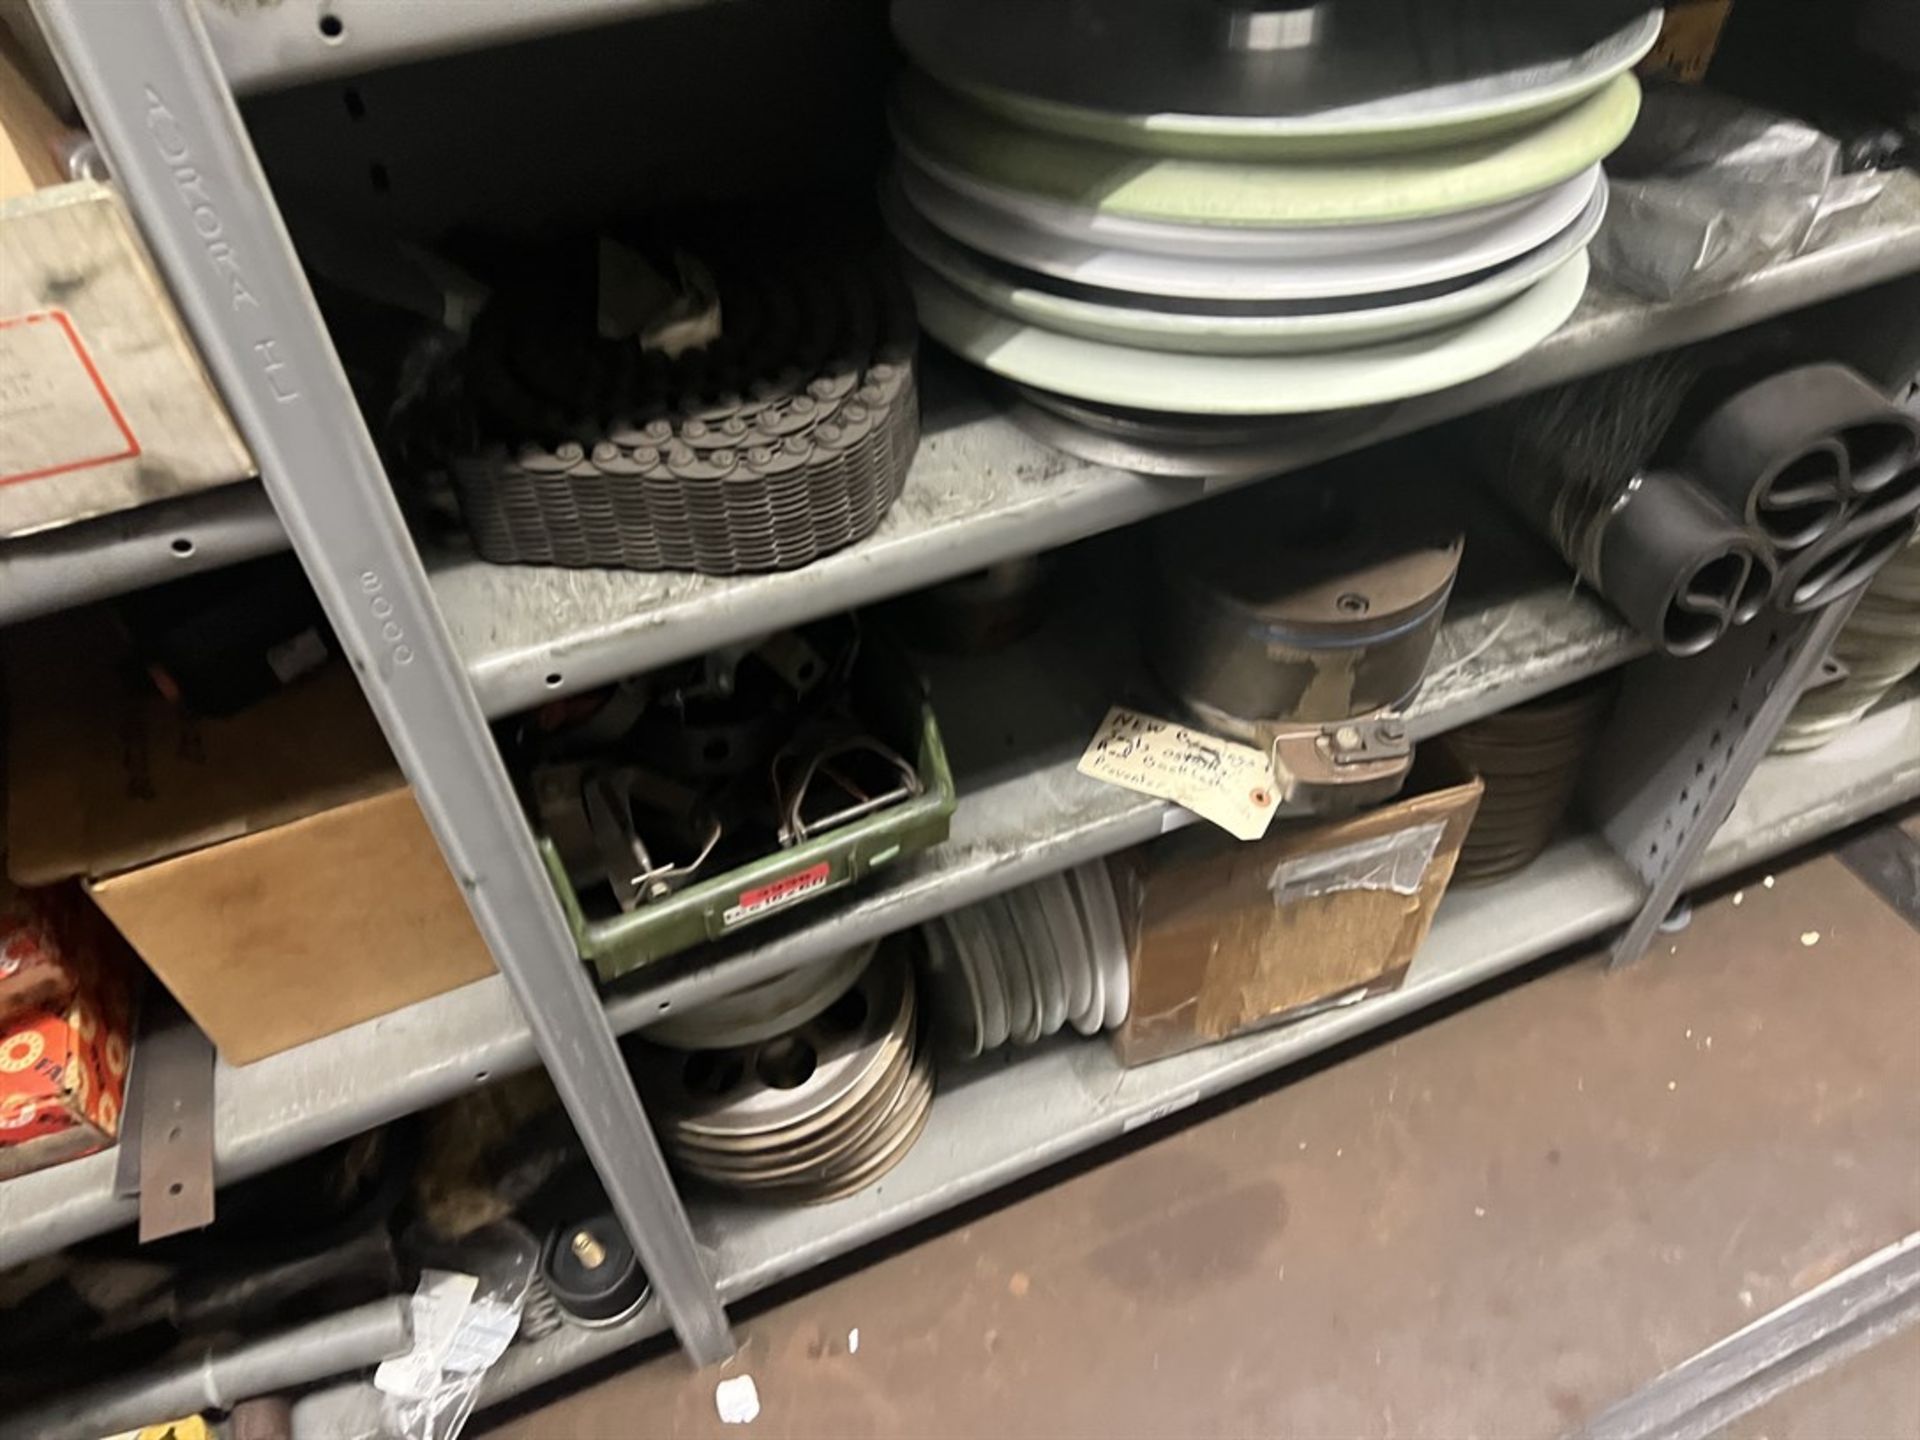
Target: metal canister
<point>1280,607</point>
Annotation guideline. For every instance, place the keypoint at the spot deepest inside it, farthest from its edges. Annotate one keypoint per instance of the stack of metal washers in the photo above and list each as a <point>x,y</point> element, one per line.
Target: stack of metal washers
<point>811,1112</point>
<point>1024,965</point>
<point>1878,649</point>
<point>783,439</point>
<point>1530,760</point>
<point>1230,209</point>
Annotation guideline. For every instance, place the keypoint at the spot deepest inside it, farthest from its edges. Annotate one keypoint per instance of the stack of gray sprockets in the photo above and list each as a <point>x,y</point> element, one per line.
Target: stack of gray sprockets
<point>812,1112</point>
<point>787,437</point>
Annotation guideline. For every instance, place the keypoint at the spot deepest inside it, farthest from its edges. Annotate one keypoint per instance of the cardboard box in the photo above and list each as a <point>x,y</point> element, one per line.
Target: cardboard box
<point>30,133</point>
<point>1225,937</point>
<point>104,405</point>
<point>271,868</point>
<point>51,942</point>
<point>33,972</point>
<point>63,1067</point>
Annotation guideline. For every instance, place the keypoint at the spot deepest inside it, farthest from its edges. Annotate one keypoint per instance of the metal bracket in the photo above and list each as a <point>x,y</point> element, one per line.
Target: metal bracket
<point>153,96</point>
<point>166,1146</point>
<point>1357,760</point>
<point>1686,735</point>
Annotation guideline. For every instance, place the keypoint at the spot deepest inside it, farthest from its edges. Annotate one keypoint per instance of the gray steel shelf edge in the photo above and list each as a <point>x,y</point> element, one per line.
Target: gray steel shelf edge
<point>1004,834</point>
<point>147,81</point>
<point>982,491</point>
<point>97,559</point>
<point>999,1121</point>
<point>269,47</point>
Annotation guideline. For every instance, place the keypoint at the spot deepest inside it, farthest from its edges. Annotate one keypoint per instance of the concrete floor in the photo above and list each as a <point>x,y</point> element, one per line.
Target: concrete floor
<point>1492,1224</point>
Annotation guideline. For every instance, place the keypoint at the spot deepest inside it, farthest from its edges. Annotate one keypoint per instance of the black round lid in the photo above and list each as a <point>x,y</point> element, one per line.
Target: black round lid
<point>591,1270</point>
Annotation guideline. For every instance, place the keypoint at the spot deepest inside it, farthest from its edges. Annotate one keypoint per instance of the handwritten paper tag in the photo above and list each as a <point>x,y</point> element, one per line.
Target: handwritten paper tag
<point>1219,780</point>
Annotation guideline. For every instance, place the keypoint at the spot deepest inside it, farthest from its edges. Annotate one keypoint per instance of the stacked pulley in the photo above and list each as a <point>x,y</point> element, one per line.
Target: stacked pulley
<point>1199,208</point>
<point>783,434</point>
<point>1024,965</point>
<point>1879,647</point>
<point>1529,758</point>
<point>807,1109</point>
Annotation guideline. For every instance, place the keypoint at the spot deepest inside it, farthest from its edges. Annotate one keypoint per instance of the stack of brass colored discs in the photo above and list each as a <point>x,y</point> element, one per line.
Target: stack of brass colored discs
<point>786,436</point>
<point>1530,760</point>
<point>1236,208</point>
<point>812,1113</point>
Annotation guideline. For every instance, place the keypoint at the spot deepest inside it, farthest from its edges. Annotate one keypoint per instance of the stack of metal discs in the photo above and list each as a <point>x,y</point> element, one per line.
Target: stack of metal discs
<point>1026,964</point>
<point>786,437</point>
<point>1878,649</point>
<point>1530,759</point>
<point>811,1112</point>
<point>1228,208</point>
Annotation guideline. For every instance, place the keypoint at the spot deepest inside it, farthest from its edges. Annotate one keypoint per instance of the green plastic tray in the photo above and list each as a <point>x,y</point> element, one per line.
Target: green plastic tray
<point>727,904</point>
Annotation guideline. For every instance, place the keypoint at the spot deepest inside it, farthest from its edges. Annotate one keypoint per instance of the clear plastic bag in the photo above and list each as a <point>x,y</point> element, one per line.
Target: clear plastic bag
<point>1710,189</point>
<point>464,1318</point>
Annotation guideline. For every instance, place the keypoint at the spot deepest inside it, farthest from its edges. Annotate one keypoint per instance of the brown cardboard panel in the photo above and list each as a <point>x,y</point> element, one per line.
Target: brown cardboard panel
<point>105,775</point>
<point>28,128</point>
<point>275,938</point>
<point>1224,937</point>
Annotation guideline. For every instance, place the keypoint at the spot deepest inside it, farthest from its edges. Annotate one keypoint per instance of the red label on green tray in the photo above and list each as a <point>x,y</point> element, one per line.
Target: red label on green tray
<point>788,888</point>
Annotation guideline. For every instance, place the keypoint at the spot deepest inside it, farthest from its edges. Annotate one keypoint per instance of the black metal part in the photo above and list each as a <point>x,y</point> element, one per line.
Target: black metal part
<point>591,1272</point>
<point>984,611</point>
<point>1786,452</point>
<point>1680,569</point>
<point>1852,555</point>
<point>1887,860</point>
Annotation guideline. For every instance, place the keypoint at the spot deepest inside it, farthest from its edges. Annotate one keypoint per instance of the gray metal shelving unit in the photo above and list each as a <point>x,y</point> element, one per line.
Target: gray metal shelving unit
<point>982,490</point>
<point>443,642</point>
<point>102,558</point>
<point>1017,820</point>
<point>1006,1117</point>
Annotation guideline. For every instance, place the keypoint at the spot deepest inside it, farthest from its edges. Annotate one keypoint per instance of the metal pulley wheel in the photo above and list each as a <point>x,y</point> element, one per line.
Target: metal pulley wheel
<point>813,1113</point>
<point>1019,967</point>
<point>1286,621</point>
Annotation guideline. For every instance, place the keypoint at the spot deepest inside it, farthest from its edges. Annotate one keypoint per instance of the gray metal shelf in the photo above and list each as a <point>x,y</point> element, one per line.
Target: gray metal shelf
<point>997,1120</point>
<point>1024,812</point>
<point>981,490</point>
<point>117,553</point>
<point>269,47</point>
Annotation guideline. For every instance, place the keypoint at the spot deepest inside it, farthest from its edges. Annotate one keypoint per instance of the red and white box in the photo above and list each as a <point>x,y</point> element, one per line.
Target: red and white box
<point>63,1060</point>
